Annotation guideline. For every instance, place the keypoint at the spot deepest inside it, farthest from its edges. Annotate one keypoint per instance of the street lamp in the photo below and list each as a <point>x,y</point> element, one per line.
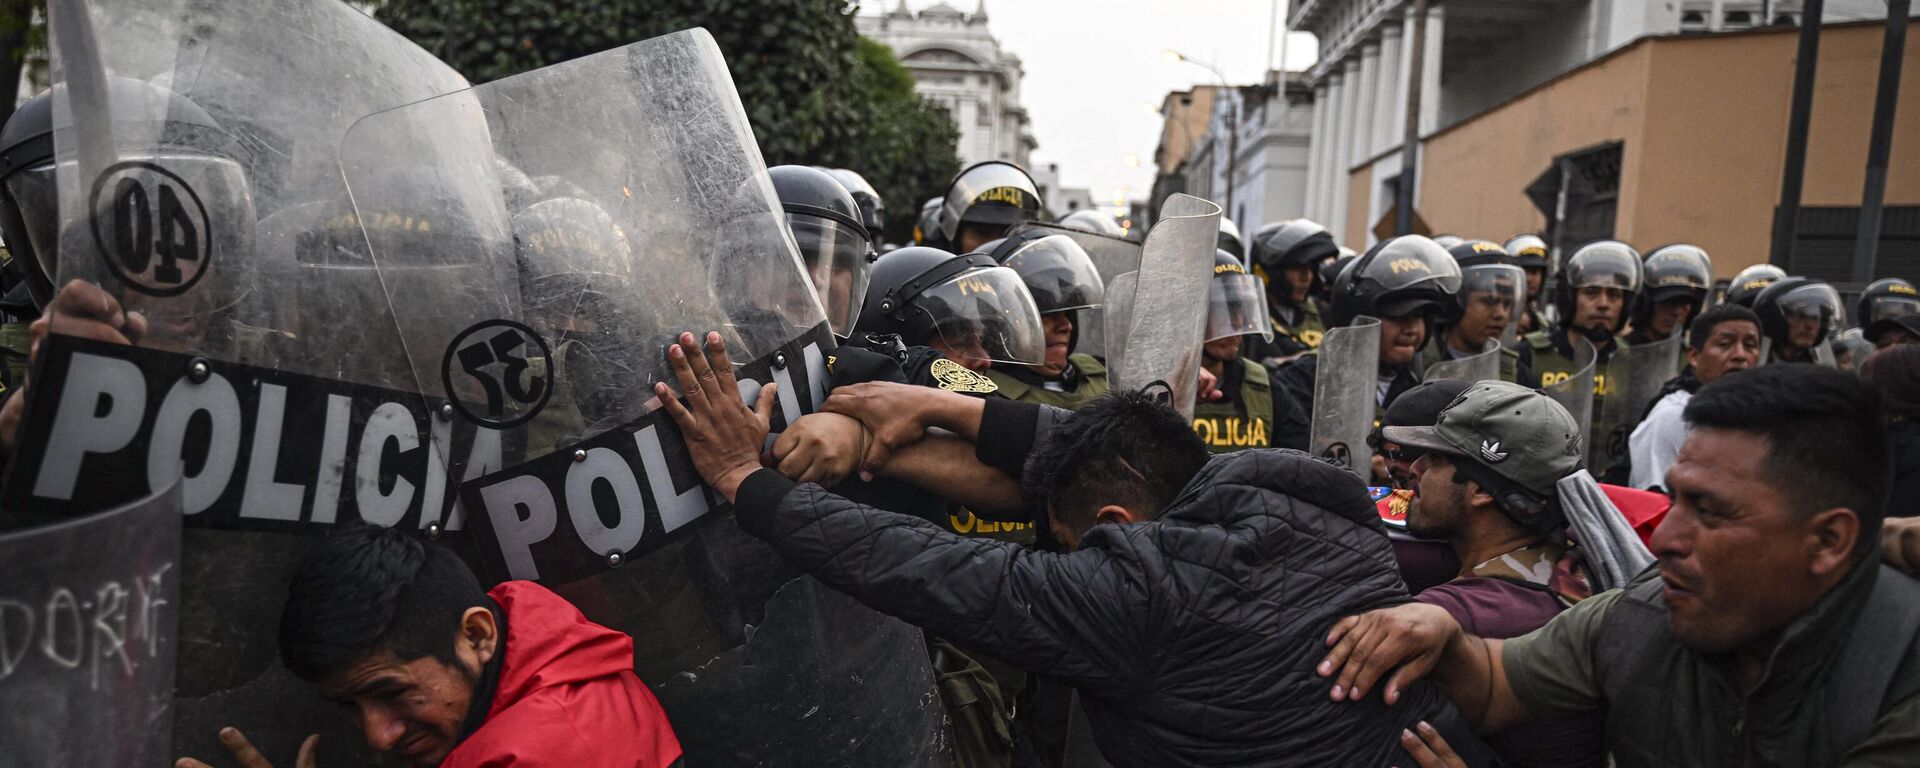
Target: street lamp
<point>1233,117</point>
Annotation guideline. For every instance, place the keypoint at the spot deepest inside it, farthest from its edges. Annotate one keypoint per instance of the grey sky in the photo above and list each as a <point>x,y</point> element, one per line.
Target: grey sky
<point>1095,68</point>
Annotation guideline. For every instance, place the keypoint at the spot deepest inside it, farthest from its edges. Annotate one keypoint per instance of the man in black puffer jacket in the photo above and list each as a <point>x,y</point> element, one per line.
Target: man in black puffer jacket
<point>1190,614</point>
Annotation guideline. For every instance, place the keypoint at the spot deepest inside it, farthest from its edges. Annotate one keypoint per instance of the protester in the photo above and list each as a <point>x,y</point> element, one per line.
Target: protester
<point>439,673</point>
<point>1722,340</point>
<point>1895,373</point>
<point>1485,484</point>
<point>1767,634</point>
<point>1171,659</point>
<point>1417,407</point>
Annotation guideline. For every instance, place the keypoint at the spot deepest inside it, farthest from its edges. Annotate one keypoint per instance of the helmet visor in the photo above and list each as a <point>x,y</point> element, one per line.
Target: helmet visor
<point>1236,306</point>
<point>1814,300</point>
<point>1492,296</point>
<point>1059,274</point>
<point>1881,308</point>
<point>835,257</point>
<point>986,314</point>
<point>34,193</point>
<point>990,193</point>
<point>1605,268</point>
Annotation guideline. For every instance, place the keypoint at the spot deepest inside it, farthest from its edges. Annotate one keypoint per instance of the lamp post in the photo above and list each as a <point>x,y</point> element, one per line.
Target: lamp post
<point>1233,119</point>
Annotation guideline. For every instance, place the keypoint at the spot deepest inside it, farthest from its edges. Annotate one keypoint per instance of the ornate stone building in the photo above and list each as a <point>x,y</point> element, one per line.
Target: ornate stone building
<point>958,64</point>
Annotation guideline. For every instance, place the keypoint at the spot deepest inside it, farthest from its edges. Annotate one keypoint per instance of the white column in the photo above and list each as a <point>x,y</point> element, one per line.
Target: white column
<point>1349,105</point>
<point>1402,79</point>
<point>1385,131</point>
<point>1430,84</point>
<point>1363,114</point>
<point>1317,136</point>
<point>1330,154</point>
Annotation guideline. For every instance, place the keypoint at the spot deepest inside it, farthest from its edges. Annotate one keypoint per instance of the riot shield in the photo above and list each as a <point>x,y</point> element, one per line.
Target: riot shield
<point>1483,366</point>
<point>1112,257</point>
<point>650,213</point>
<point>1634,377</point>
<point>197,178</point>
<point>1167,320</point>
<point>88,609</point>
<point>1117,316</point>
<point>1575,392</point>
<point>1345,394</point>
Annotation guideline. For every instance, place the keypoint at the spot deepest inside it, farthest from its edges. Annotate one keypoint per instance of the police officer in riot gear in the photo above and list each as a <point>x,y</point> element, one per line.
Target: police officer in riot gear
<point>834,242</point>
<point>1288,258</point>
<point>1405,282</point>
<point>1796,315</point>
<point>1230,239</point>
<point>926,225</point>
<point>1243,416</point>
<point>1091,220</point>
<point>1748,283</point>
<point>985,202</point>
<point>1598,286</point>
<point>1530,253</point>
<point>1677,278</point>
<point>970,310</point>
<point>1483,308</point>
<point>1063,282</point>
<point>1328,271</point>
<point>1882,304</point>
<point>873,210</point>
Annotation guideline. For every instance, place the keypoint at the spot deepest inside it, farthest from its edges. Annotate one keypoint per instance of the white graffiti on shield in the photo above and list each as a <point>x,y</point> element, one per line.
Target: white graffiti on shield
<point>96,631</point>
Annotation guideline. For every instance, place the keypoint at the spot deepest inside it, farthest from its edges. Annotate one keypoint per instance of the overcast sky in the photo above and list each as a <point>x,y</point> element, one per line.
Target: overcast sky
<point>1096,68</point>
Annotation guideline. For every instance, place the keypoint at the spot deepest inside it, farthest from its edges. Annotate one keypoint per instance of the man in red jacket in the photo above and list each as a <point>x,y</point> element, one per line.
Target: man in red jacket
<point>439,673</point>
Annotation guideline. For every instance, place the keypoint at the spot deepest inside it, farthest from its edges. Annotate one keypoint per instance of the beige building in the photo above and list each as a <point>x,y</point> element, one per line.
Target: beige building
<point>1676,138</point>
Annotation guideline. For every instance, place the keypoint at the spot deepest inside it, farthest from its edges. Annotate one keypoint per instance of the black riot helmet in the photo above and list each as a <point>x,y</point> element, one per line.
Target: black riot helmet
<point>1296,243</point>
<point>1674,272</point>
<point>1396,277</point>
<point>1236,301</point>
<point>1448,241</point>
<point>1057,271</point>
<point>1092,220</point>
<point>1885,299</point>
<point>1748,284</point>
<point>1330,269</point>
<point>926,226</point>
<point>834,244</point>
<point>873,210</point>
<point>1528,251</point>
<point>1474,253</point>
<point>994,193</point>
<point>1604,264</point>
<point>979,310</point>
<point>1791,297</point>
<point>1230,240</point>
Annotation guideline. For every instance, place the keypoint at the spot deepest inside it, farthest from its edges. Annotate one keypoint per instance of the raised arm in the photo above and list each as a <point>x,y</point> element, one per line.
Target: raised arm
<point>1416,641</point>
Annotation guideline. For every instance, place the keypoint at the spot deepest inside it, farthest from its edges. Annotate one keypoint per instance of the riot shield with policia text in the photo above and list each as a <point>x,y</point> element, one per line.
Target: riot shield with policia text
<point>1165,319</point>
<point>1575,392</point>
<point>1345,395</point>
<point>1634,377</point>
<point>1481,366</point>
<point>651,214</point>
<point>195,169</point>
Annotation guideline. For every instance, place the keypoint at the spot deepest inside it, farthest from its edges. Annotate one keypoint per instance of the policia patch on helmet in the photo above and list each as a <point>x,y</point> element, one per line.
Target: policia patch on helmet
<point>954,377</point>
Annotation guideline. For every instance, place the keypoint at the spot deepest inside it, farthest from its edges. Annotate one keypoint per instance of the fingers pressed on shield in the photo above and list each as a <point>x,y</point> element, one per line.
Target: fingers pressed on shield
<point>681,356</point>
<point>722,362</point>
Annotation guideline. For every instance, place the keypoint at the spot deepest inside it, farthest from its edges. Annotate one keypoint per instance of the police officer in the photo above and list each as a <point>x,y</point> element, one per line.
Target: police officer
<point>1882,304</point>
<point>1287,257</point>
<point>926,226</point>
<point>1490,287</point>
<point>1230,240</point>
<point>1796,315</point>
<point>1530,253</point>
<point>873,210</point>
<point>985,202</point>
<point>1063,281</point>
<point>1748,283</point>
<point>1677,278</point>
<point>953,316</point>
<point>1328,271</point>
<point>1599,284</point>
<point>1243,416</point>
<point>27,214</point>
<point>834,242</point>
<point>1405,282</point>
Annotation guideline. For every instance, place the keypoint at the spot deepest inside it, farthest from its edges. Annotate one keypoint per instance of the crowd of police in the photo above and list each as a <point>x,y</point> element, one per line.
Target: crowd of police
<point>1023,492</point>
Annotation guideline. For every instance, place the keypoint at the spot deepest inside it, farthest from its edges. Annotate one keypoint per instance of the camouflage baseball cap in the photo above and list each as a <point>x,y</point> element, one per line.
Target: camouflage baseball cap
<point>1516,432</point>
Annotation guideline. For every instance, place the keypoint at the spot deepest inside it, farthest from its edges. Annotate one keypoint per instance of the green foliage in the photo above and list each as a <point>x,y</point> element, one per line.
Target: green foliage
<point>814,90</point>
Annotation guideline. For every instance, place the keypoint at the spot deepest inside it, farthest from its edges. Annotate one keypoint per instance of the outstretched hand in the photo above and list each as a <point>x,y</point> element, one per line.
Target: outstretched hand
<point>1405,639</point>
<point>243,751</point>
<point>721,432</point>
<point>79,309</point>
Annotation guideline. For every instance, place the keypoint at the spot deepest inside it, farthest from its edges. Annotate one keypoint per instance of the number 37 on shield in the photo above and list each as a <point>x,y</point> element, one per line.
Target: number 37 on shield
<point>151,228</point>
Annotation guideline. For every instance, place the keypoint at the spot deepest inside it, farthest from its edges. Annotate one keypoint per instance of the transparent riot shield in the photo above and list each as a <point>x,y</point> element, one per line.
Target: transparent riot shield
<point>197,183</point>
<point>1117,316</point>
<point>1634,377</point>
<point>647,211</point>
<point>88,610</point>
<point>1346,391</point>
<point>1167,319</point>
<point>1112,257</point>
<point>1575,392</point>
<point>1483,366</point>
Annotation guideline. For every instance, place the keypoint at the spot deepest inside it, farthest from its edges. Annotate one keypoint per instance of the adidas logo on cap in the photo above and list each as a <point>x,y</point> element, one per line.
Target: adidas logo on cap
<point>1490,450</point>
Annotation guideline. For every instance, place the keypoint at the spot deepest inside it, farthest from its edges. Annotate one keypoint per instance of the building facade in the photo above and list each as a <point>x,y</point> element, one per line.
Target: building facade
<point>1266,162</point>
<point>958,64</point>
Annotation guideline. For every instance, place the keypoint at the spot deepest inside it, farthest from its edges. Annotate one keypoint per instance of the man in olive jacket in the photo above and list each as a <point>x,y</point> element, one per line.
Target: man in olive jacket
<point>1188,615</point>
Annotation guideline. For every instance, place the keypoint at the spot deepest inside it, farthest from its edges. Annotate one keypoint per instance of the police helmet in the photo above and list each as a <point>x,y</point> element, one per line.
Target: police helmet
<point>1448,241</point>
<point>977,308</point>
<point>1791,297</point>
<point>1091,220</point>
<point>1330,269</point>
<point>1295,243</point>
<point>1236,301</point>
<point>1885,299</point>
<point>1230,240</point>
<point>926,226</point>
<point>1057,271</point>
<point>1474,253</point>
<point>873,210</point>
<point>1604,264</point>
<point>569,255</point>
<point>834,244</point>
<point>1398,276</point>
<point>1528,251</point>
<point>1748,284</point>
<point>994,192</point>
<point>1854,343</point>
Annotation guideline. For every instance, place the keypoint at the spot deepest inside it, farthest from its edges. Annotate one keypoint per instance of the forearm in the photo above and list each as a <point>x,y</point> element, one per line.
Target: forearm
<point>947,465</point>
<point>956,413</point>
<point>1473,677</point>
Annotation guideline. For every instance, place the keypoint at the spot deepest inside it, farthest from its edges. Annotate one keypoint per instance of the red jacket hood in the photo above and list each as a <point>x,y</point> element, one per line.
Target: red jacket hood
<point>550,643</point>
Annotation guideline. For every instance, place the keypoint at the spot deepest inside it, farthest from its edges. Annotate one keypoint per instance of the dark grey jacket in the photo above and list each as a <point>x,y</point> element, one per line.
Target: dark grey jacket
<point>1191,639</point>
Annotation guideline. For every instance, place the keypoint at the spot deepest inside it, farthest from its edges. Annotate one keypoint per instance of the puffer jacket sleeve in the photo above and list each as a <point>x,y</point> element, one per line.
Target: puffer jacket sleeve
<point>1084,617</point>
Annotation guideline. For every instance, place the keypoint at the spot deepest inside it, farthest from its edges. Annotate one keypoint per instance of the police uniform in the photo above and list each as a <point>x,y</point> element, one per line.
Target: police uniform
<point>1243,417</point>
<point>1289,338</point>
<point>1084,379</point>
<point>14,348</point>
<point>1437,351</point>
<point>1549,356</point>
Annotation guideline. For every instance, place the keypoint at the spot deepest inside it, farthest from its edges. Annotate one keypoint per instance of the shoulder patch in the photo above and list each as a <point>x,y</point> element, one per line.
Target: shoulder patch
<point>954,377</point>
